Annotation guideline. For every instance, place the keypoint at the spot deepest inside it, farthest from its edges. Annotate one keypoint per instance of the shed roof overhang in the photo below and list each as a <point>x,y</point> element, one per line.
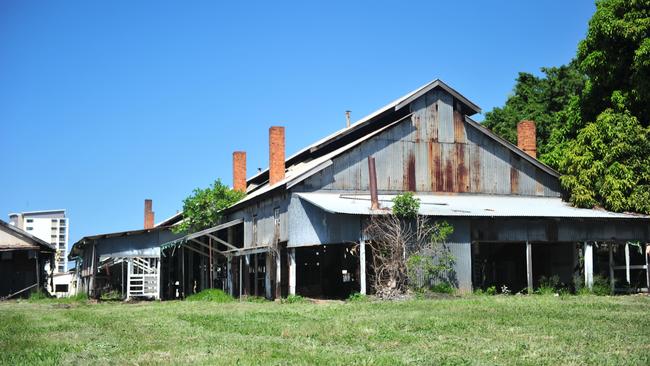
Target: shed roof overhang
<point>197,242</point>
<point>465,205</point>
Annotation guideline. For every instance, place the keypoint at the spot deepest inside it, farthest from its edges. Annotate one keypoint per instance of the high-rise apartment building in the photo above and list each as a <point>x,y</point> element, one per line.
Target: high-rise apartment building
<point>50,226</point>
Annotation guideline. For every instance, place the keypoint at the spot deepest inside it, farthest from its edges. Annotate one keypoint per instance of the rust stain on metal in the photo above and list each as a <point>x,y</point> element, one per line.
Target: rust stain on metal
<point>515,163</point>
<point>462,176</point>
<point>409,173</point>
<point>436,178</point>
<point>459,125</point>
<point>449,173</point>
<point>433,117</point>
<point>430,169</point>
<point>514,180</point>
<point>475,170</point>
<point>418,129</point>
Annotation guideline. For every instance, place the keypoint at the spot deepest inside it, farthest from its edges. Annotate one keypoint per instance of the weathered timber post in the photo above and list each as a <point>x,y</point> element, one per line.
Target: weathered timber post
<point>362,266</point>
<point>589,264</point>
<point>267,275</point>
<point>529,266</point>
<point>291,253</point>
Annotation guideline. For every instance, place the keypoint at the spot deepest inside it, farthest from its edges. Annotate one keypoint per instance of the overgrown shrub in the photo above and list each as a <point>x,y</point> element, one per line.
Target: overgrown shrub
<point>111,296</point>
<point>601,287</point>
<point>256,299</point>
<point>294,299</point>
<point>212,295</point>
<point>548,285</point>
<point>406,206</point>
<point>443,288</point>
<point>490,291</point>
<point>358,297</point>
<point>38,296</point>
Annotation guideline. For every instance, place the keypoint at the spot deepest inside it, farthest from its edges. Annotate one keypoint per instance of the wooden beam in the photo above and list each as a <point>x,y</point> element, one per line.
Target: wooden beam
<point>529,266</point>
<point>222,241</point>
<point>203,245</point>
<point>216,228</point>
<point>195,250</point>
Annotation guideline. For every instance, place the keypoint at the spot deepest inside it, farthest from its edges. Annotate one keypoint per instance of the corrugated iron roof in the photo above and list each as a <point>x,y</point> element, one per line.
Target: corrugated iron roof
<point>301,171</point>
<point>394,105</point>
<point>27,236</point>
<point>465,205</point>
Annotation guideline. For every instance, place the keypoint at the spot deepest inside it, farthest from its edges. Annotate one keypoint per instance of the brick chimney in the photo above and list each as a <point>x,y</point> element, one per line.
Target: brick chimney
<point>276,154</point>
<point>527,137</point>
<point>239,171</point>
<point>148,214</point>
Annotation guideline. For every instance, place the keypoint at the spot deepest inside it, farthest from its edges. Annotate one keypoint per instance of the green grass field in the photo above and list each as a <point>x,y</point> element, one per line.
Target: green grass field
<point>467,330</point>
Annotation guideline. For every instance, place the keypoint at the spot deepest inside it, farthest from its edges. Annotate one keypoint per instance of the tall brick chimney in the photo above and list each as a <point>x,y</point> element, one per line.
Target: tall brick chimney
<point>148,214</point>
<point>527,137</point>
<point>239,171</point>
<point>276,154</point>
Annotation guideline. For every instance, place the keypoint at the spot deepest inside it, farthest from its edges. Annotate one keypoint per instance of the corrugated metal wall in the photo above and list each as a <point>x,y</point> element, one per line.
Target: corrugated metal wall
<point>264,213</point>
<point>435,150</point>
<point>312,226</point>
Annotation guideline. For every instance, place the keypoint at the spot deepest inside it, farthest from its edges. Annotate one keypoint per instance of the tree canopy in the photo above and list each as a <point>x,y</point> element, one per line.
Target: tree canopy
<point>203,208</point>
<point>592,115</point>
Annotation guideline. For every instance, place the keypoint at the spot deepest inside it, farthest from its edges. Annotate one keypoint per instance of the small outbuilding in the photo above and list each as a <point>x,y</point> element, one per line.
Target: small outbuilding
<point>22,262</point>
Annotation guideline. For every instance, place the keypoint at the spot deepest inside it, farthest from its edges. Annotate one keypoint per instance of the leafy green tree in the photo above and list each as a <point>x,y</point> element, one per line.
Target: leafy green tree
<point>607,164</point>
<point>593,114</point>
<point>203,208</point>
<point>540,99</point>
<point>615,55</point>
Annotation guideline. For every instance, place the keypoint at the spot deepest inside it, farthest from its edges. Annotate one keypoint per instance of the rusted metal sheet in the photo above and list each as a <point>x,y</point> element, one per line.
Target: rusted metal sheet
<point>514,174</point>
<point>435,151</point>
<point>410,173</point>
<point>445,118</point>
<point>462,168</point>
<point>431,115</point>
<point>459,125</point>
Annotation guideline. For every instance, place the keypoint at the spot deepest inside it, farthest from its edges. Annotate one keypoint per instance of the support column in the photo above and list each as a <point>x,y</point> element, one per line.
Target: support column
<point>267,275</point>
<point>627,263</point>
<point>158,276</point>
<point>129,270</point>
<point>229,274</point>
<point>362,266</point>
<point>255,274</point>
<point>529,266</point>
<point>291,253</point>
<point>278,275</point>
<point>38,273</point>
<point>611,266</point>
<point>247,276</point>
<point>588,258</point>
<point>241,270</point>
<point>647,267</point>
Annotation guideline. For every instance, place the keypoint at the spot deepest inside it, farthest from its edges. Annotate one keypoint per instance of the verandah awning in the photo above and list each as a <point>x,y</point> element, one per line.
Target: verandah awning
<point>195,243</point>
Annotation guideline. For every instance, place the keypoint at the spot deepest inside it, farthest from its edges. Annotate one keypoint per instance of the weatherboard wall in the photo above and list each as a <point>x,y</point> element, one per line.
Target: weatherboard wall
<point>435,150</point>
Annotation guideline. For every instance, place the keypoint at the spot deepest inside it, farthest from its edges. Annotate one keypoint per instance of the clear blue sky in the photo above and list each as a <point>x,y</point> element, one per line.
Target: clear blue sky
<point>104,104</point>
